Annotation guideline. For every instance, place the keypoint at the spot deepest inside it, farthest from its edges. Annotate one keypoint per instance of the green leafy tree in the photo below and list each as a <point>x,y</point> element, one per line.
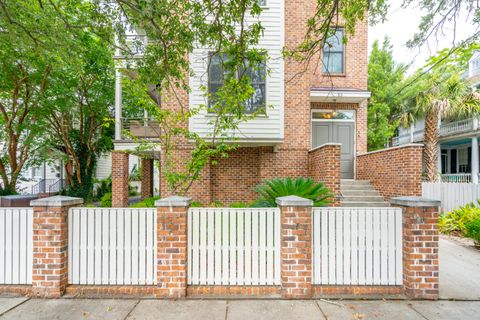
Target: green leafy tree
<point>384,80</point>
<point>174,29</point>
<point>441,93</point>
<point>42,52</point>
<point>78,110</point>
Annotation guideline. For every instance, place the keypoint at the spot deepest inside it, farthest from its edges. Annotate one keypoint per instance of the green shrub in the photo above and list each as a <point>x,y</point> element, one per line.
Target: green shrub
<point>103,186</point>
<point>196,204</point>
<point>132,190</point>
<point>302,187</point>
<point>238,204</point>
<point>106,201</point>
<point>457,220</point>
<point>473,230</point>
<point>146,203</point>
<point>216,204</point>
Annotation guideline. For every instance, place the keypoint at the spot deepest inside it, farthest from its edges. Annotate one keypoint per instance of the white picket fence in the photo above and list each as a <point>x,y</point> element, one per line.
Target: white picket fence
<point>228,246</point>
<point>114,246</point>
<point>16,245</point>
<point>357,246</point>
<point>452,195</point>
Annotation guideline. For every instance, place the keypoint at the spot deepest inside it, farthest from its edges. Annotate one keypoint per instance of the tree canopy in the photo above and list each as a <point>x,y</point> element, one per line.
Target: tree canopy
<point>385,78</point>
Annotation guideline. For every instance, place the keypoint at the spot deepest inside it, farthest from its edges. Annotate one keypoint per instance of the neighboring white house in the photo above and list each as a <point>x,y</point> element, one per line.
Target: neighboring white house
<point>459,146</point>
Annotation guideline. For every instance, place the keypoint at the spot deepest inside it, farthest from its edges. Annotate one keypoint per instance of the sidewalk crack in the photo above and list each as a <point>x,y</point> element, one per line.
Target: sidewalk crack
<point>321,310</point>
<point>131,310</point>
<point>418,312</point>
<point>15,306</point>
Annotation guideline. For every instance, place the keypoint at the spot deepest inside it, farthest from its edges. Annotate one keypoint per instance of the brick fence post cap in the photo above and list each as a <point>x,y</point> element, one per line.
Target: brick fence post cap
<point>174,201</point>
<point>415,202</point>
<point>56,201</point>
<point>294,201</point>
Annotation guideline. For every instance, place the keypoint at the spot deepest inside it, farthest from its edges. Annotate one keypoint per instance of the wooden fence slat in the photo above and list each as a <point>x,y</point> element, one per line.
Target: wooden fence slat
<point>114,246</point>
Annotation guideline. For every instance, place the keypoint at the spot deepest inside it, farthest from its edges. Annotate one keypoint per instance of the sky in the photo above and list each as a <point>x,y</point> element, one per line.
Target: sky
<point>402,24</point>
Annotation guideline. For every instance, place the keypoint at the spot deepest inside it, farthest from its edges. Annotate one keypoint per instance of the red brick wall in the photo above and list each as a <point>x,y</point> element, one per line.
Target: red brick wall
<point>147,178</point>
<point>324,166</point>
<point>356,63</point>
<point>119,179</point>
<point>50,251</point>
<point>393,171</point>
<point>296,252</point>
<point>172,252</point>
<point>420,252</point>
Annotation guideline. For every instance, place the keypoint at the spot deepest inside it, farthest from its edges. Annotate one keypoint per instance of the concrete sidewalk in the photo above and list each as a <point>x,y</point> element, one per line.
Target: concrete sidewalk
<point>72,309</point>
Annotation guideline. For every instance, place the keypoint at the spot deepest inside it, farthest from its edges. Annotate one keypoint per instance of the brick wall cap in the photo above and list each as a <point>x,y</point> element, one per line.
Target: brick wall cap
<point>408,145</point>
<point>294,201</point>
<point>173,201</point>
<point>415,202</point>
<point>56,201</point>
<point>326,145</point>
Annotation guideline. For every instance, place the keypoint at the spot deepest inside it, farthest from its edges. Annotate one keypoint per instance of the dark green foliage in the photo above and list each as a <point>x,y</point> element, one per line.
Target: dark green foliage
<point>146,203</point>
<point>106,201</point>
<point>457,220</point>
<point>104,186</point>
<point>384,80</point>
<point>473,230</point>
<point>307,188</point>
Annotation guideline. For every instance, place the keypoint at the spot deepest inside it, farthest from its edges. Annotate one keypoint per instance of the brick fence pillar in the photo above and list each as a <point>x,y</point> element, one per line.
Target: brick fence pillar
<point>147,178</point>
<point>420,246</point>
<point>172,246</point>
<point>296,247</point>
<point>119,179</point>
<point>50,245</point>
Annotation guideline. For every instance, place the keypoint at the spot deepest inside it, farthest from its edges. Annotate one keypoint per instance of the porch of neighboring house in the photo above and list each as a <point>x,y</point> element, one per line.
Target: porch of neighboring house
<point>458,160</point>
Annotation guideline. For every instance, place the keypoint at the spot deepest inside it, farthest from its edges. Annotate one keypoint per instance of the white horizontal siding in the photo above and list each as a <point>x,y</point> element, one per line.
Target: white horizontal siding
<point>264,128</point>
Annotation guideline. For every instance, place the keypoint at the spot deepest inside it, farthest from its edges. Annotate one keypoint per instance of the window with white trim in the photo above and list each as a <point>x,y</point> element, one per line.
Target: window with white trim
<point>334,53</point>
<point>257,75</point>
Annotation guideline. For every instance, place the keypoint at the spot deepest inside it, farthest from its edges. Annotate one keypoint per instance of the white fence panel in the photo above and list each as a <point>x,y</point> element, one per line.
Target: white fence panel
<point>357,246</point>
<point>112,246</point>
<point>452,195</point>
<point>16,245</point>
<point>230,246</point>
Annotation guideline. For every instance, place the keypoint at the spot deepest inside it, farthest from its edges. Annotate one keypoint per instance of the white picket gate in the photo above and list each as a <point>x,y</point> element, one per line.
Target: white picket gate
<point>451,194</point>
<point>357,246</point>
<point>229,246</point>
<point>114,246</point>
<point>16,245</point>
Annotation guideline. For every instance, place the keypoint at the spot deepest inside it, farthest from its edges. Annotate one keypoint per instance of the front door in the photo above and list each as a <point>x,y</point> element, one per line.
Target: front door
<point>338,132</point>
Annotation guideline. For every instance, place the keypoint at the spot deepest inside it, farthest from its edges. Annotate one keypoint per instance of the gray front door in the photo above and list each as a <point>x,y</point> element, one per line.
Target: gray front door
<point>338,132</point>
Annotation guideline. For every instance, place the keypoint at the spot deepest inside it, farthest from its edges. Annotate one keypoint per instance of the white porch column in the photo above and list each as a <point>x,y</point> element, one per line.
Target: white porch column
<point>412,130</point>
<point>118,104</point>
<point>475,163</point>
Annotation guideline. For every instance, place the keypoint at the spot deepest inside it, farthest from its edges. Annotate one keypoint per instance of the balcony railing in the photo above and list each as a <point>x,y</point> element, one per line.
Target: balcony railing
<point>446,129</point>
<point>140,128</point>
<point>457,177</point>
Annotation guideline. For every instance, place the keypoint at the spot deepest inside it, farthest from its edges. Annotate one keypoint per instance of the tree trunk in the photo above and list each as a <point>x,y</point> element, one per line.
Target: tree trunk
<point>430,149</point>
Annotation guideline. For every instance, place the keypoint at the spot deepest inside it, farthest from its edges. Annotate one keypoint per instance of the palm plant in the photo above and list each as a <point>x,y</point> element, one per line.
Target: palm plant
<point>303,187</point>
<point>439,95</point>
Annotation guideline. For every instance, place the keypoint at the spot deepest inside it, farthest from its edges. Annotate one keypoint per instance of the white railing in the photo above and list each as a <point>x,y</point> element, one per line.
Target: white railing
<point>114,246</point>
<point>16,245</point>
<point>228,246</point>
<point>456,127</point>
<point>446,129</point>
<point>357,246</point>
<point>456,177</point>
<point>452,195</point>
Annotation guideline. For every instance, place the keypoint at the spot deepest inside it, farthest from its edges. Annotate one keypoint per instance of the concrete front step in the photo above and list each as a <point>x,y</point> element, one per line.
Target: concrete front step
<point>354,187</point>
<point>346,182</point>
<point>363,198</point>
<point>365,204</point>
<point>368,193</point>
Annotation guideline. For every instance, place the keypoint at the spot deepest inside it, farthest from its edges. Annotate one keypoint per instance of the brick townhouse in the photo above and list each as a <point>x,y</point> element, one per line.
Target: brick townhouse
<point>316,127</point>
